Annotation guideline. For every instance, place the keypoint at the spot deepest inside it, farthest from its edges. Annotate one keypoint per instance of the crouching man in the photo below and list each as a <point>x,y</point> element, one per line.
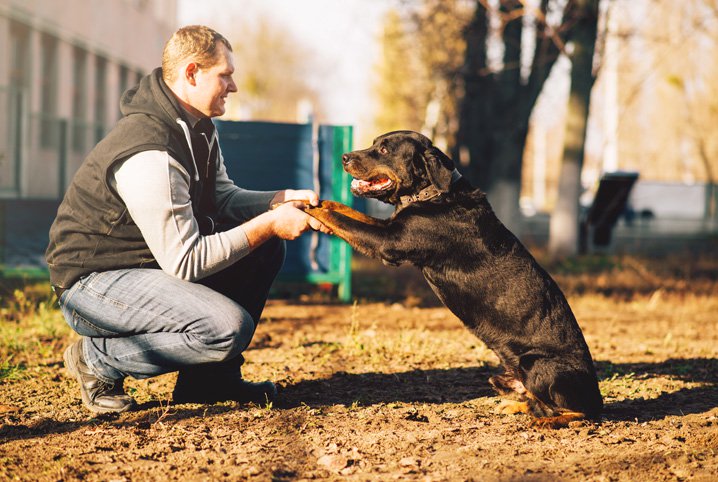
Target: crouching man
<point>160,263</point>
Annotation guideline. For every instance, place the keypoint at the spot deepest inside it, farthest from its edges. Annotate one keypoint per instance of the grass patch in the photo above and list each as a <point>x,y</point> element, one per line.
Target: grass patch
<point>32,329</point>
<point>10,371</point>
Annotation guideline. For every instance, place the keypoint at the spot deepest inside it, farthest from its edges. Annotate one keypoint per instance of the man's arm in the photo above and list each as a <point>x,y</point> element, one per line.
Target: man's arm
<point>155,189</point>
<point>236,203</point>
<point>240,204</point>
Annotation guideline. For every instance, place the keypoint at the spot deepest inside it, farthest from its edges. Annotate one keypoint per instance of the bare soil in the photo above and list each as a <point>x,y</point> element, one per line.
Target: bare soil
<point>391,387</point>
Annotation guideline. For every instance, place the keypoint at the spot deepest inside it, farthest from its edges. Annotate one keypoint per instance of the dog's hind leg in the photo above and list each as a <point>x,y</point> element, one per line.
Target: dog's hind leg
<point>512,407</point>
<point>560,393</point>
<point>558,421</point>
<point>507,385</point>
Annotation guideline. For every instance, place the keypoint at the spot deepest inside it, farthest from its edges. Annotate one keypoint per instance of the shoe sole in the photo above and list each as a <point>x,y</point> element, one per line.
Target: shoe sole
<point>75,373</point>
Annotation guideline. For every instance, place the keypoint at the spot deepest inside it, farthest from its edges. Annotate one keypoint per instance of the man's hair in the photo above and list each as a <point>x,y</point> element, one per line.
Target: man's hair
<point>193,42</point>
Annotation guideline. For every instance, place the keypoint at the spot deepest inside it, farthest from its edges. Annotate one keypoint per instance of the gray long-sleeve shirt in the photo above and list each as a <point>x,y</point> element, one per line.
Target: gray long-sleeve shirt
<point>155,189</point>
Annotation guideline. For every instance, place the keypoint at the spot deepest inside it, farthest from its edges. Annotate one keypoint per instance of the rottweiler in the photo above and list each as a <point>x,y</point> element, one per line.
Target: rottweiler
<point>477,268</point>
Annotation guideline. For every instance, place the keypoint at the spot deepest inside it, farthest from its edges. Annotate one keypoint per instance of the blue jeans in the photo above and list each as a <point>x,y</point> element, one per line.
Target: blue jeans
<point>144,322</point>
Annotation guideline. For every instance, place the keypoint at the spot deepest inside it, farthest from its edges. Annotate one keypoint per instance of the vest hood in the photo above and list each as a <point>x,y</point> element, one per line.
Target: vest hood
<point>154,98</point>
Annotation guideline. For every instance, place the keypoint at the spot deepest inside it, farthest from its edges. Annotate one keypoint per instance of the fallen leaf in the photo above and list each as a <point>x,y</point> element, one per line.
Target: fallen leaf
<point>333,462</point>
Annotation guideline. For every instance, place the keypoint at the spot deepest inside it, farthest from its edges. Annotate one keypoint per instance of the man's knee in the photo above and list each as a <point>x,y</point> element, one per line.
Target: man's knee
<point>231,331</point>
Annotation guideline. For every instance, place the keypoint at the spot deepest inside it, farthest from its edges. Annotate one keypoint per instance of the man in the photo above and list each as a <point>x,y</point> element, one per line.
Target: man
<point>158,260</point>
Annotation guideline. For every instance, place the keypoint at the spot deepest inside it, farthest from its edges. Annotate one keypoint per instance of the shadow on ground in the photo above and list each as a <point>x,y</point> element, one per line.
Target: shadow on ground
<point>458,385</point>
<point>681,402</point>
<point>454,385</point>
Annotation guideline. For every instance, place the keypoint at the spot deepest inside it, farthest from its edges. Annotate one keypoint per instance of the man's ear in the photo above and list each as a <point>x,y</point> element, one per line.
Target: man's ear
<point>190,73</point>
<point>438,167</point>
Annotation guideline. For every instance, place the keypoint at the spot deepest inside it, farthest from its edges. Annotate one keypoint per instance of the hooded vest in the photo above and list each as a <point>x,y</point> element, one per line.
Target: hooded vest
<point>93,230</point>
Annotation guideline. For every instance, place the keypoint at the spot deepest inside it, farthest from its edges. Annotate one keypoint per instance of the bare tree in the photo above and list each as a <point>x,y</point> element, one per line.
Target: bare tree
<point>695,80</point>
<point>399,78</point>
<point>501,90</point>
<point>564,226</point>
<point>418,75</point>
<point>272,74</point>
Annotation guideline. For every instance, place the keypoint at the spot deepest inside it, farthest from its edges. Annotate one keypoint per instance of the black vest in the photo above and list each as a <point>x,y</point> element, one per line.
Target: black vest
<point>93,230</point>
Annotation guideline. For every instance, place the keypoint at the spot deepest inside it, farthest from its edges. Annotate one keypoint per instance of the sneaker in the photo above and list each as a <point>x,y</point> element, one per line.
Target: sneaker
<point>197,387</point>
<point>97,395</point>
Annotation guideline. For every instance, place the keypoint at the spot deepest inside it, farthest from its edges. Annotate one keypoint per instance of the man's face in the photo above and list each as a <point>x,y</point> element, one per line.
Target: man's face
<point>214,84</point>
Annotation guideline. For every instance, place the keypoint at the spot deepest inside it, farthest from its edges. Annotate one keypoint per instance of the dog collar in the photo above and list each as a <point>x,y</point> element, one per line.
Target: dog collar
<point>429,192</point>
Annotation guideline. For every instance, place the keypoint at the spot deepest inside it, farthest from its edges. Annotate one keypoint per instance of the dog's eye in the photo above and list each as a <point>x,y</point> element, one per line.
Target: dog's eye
<point>383,150</point>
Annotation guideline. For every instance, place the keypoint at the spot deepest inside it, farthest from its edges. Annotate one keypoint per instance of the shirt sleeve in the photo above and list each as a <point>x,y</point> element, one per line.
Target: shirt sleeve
<point>235,203</point>
<point>155,189</point>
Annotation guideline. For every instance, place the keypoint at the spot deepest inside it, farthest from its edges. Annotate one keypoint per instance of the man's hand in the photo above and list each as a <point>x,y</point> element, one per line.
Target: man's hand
<point>286,219</point>
<point>303,195</point>
<point>290,221</point>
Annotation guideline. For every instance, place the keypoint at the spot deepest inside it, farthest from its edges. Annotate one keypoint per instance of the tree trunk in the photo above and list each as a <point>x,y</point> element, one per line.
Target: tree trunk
<point>491,116</point>
<point>504,190</point>
<point>509,138</point>
<point>473,136</point>
<point>495,109</point>
<point>564,225</point>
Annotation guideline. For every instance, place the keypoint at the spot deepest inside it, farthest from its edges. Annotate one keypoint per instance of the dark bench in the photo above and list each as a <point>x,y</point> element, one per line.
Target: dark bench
<point>609,203</point>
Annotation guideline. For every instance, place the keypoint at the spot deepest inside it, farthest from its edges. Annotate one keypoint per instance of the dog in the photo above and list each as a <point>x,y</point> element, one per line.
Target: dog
<point>477,268</point>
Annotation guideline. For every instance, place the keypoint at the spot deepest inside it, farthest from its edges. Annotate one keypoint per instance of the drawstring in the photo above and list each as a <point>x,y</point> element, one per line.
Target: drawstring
<point>185,129</point>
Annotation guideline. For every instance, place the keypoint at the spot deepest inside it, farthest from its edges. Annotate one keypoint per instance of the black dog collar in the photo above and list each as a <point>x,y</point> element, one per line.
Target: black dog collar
<point>429,192</point>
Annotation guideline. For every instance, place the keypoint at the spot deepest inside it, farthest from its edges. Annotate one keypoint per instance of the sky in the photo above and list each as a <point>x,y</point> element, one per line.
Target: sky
<point>343,35</point>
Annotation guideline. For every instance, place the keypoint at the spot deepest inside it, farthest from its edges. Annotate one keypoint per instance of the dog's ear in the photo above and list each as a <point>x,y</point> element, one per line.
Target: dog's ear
<point>438,167</point>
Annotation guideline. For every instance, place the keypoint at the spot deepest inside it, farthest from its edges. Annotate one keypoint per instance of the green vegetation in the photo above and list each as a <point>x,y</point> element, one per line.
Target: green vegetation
<point>31,328</point>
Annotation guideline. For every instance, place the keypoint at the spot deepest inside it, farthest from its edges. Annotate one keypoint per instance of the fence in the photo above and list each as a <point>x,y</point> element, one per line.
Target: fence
<point>39,151</point>
<point>39,154</point>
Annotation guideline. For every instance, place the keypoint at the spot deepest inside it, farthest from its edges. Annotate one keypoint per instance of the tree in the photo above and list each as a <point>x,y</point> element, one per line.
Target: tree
<point>499,98</point>
<point>695,81</point>
<point>399,79</point>
<point>564,225</point>
<point>272,74</point>
<point>418,82</point>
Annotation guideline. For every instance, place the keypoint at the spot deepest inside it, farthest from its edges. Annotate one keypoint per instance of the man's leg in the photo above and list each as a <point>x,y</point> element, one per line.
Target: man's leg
<point>247,282</point>
<point>142,323</point>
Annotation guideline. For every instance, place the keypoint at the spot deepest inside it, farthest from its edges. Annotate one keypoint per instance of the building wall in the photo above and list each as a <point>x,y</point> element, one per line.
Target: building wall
<point>63,67</point>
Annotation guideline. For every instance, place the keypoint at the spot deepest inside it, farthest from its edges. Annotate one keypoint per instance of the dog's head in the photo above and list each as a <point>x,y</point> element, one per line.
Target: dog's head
<point>397,164</point>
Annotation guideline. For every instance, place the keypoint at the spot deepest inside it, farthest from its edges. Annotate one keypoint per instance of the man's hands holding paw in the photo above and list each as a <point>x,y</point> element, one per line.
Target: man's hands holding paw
<point>289,218</point>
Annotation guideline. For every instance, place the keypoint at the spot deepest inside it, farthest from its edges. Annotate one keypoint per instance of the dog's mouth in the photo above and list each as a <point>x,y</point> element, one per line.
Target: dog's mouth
<point>371,187</point>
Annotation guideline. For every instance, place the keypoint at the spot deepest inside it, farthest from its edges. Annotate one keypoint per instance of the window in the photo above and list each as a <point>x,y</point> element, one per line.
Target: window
<point>49,128</point>
<point>16,102</point>
<point>100,98</point>
<point>19,60</point>
<point>124,81</point>
<point>79,102</point>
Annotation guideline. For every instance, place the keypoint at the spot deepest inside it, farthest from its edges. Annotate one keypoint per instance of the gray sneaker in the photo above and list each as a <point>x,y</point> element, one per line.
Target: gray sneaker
<point>97,395</point>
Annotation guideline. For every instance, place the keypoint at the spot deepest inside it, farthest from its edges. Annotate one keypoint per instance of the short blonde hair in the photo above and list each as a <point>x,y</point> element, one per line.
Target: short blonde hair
<point>195,42</point>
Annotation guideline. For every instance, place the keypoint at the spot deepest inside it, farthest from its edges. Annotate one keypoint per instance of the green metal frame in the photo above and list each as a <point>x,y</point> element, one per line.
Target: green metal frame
<point>340,253</point>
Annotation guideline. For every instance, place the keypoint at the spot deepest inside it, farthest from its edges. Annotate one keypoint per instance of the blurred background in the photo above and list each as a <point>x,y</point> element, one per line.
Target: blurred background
<point>539,102</point>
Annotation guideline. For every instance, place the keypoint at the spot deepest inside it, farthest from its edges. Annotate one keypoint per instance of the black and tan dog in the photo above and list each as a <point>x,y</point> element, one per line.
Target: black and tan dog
<point>478,269</point>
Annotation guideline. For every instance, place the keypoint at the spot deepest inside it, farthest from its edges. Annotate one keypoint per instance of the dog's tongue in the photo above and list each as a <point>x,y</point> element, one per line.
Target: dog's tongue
<point>373,185</point>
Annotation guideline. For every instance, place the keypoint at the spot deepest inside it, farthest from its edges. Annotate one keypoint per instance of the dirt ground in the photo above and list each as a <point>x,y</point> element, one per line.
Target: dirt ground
<point>391,387</point>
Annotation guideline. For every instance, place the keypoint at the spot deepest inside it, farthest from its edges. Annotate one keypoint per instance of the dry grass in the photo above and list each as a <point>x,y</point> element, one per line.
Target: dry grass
<point>389,388</point>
